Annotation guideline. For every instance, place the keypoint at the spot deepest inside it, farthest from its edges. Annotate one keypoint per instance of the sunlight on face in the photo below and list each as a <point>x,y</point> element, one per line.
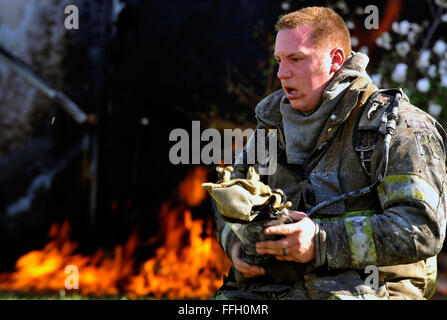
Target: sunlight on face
<point>304,68</point>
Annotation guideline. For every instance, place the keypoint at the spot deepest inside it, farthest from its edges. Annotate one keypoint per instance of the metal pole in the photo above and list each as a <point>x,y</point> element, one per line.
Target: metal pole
<point>29,75</point>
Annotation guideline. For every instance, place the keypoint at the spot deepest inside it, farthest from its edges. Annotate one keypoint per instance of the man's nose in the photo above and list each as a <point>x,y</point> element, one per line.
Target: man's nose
<point>283,72</point>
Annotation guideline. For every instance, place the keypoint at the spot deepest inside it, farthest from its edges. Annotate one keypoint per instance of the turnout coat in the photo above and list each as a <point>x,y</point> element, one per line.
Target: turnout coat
<point>399,227</point>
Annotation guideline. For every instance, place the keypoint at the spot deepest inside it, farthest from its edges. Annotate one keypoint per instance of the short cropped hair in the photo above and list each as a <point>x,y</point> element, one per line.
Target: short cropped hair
<point>327,26</point>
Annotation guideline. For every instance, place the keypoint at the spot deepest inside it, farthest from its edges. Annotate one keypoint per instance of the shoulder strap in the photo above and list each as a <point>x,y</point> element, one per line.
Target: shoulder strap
<point>375,109</point>
<point>371,125</point>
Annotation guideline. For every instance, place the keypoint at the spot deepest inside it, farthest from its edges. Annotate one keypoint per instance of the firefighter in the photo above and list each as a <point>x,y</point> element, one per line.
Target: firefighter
<point>338,134</point>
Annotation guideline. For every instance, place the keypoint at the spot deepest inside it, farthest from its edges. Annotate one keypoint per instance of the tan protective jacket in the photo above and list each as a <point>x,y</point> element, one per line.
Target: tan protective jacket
<point>399,227</point>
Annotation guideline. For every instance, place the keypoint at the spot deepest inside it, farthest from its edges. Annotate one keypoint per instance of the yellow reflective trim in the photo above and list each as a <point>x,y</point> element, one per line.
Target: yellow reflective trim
<point>431,268</point>
<point>399,187</point>
<point>235,227</point>
<point>224,235</point>
<point>348,214</point>
<point>360,235</point>
<point>361,240</point>
<point>366,296</point>
<point>220,297</point>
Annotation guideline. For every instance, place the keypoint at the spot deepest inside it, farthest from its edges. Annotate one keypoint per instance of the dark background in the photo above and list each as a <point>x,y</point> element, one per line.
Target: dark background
<point>170,62</point>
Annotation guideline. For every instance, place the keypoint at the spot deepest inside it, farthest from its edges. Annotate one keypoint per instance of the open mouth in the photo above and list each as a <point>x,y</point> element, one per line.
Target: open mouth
<point>291,92</point>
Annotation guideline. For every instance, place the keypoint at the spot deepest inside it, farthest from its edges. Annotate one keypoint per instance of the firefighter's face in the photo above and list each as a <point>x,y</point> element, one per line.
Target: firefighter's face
<point>304,68</point>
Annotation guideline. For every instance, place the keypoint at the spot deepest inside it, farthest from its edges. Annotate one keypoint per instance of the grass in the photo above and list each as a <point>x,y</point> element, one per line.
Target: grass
<point>61,296</point>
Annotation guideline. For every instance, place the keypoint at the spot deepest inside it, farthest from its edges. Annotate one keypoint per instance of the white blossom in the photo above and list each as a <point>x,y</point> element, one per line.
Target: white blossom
<point>350,25</point>
<point>441,3</point>
<point>384,41</point>
<point>434,109</point>
<point>444,81</point>
<point>354,41</point>
<point>444,18</point>
<point>377,79</point>
<point>440,47</point>
<point>402,27</point>
<point>285,6</point>
<point>442,67</point>
<point>423,85</point>
<point>364,50</point>
<point>432,71</point>
<point>403,48</point>
<point>400,73</point>
<point>424,60</point>
<point>411,36</point>
<point>144,121</point>
<point>415,27</point>
<point>395,27</point>
<point>342,6</point>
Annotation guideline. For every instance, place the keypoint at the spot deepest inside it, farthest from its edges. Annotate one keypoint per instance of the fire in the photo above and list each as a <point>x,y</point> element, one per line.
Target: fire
<point>44,270</point>
<point>178,271</point>
<point>189,264</point>
<point>190,190</point>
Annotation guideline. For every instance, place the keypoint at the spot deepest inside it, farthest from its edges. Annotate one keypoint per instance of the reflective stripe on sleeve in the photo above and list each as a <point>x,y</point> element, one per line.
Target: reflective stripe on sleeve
<point>361,241</point>
<point>431,267</point>
<point>366,296</point>
<point>347,215</point>
<point>397,187</point>
<point>224,235</point>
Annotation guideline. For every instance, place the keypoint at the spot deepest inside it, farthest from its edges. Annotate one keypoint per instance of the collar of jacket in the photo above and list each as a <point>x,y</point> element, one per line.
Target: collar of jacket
<point>356,95</point>
<point>269,116</point>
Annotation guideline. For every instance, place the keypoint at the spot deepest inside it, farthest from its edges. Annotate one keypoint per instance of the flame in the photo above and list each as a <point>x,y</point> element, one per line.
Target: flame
<point>189,264</point>
<point>44,270</point>
<point>178,271</point>
<point>190,191</point>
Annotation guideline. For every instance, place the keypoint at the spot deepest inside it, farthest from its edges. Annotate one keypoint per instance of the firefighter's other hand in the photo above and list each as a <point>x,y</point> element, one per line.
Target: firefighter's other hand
<point>247,270</point>
<point>298,242</point>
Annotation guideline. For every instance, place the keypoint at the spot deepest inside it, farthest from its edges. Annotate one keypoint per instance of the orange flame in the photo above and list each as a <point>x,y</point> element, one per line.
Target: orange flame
<point>189,264</point>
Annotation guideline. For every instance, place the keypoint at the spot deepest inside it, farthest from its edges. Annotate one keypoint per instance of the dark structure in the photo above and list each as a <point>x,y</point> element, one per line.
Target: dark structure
<point>142,68</point>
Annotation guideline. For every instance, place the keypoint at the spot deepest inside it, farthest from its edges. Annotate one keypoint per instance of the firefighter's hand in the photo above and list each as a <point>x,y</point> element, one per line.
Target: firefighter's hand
<point>247,270</point>
<point>298,242</point>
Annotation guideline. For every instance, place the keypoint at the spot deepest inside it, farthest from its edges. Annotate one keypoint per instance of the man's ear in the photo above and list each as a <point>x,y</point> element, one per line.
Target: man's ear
<point>338,58</point>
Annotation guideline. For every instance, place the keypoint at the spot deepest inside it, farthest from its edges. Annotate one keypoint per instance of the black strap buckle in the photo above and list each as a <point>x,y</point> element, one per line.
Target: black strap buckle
<point>365,157</point>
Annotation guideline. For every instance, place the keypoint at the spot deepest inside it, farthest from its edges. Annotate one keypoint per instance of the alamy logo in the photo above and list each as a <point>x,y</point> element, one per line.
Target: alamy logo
<point>261,147</point>
<point>72,20</point>
<point>372,21</point>
<point>72,280</point>
<point>373,279</point>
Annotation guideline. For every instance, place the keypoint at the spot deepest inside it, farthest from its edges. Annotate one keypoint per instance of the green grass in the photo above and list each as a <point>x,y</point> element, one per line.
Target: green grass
<point>54,296</point>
